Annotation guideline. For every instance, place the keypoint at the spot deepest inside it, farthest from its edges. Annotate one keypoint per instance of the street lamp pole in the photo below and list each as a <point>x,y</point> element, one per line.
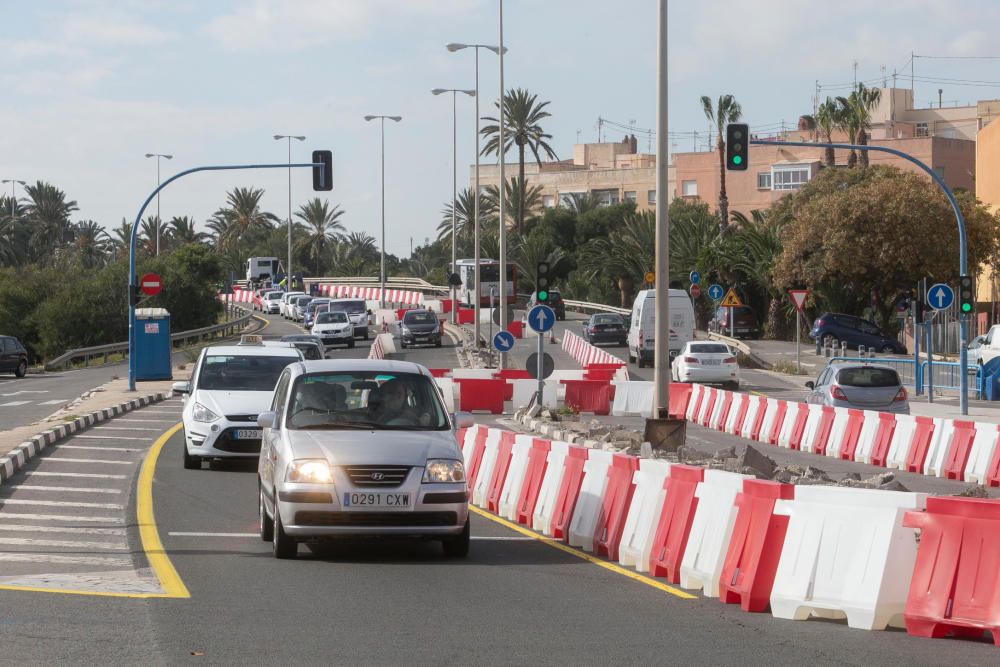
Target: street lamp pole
<point>661,360</point>
<point>158,219</point>
<point>454,188</point>
<point>455,46</point>
<point>503,184</point>
<point>382,159</point>
<point>13,182</point>
<point>288,267</point>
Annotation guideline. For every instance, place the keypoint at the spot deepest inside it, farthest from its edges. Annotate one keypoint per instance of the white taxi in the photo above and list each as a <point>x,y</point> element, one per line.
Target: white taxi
<point>230,386</point>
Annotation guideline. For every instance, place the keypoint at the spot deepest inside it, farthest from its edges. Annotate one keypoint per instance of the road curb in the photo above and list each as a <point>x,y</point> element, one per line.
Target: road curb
<point>18,457</point>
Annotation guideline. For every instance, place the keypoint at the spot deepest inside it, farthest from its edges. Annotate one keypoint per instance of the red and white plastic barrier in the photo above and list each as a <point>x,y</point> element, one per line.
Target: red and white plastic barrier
<point>586,354</point>
<point>408,297</point>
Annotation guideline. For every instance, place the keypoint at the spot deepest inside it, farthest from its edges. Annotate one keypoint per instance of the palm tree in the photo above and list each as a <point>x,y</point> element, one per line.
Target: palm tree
<point>625,255</point>
<point>581,202</point>
<point>827,119</point>
<point>857,107</point>
<point>13,233</point>
<point>120,237</point>
<point>145,242</point>
<point>752,253</point>
<point>242,216</point>
<point>727,111</point>
<point>522,115</point>
<point>530,201</point>
<point>181,231</point>
<point>91,244</point>
<point>323,227</point>
<point>464,213</point>
<point>529,251</point>
<point>48,217</point>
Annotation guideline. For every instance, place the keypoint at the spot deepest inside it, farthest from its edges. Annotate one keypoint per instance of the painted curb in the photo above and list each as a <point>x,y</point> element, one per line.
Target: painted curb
<point>21,454</point>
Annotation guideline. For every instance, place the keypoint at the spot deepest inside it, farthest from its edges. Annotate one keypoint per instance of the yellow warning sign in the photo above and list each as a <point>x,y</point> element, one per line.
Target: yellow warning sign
<point>731,300</point>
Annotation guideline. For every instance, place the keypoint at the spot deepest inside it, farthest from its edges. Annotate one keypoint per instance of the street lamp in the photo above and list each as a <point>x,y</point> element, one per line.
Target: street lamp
<point>13,182</point>
<point>454,187</point>
<point>288,267</point>
<point>158,156</point>
<point>457,46</point>
<point>381,120</point>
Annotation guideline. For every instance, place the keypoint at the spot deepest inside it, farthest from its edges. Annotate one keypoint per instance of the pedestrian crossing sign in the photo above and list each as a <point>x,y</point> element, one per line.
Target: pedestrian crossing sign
<point>731,300</point>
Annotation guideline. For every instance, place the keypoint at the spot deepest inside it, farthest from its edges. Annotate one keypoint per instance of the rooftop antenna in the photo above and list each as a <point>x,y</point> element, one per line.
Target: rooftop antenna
<point>855,73</point>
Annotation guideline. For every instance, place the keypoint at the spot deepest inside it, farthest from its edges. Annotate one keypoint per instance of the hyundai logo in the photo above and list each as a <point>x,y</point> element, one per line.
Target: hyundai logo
<point>377,476</point>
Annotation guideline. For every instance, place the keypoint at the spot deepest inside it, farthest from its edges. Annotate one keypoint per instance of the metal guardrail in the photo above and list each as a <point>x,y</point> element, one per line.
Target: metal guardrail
<point>599,307</point>
<point>226,328</point>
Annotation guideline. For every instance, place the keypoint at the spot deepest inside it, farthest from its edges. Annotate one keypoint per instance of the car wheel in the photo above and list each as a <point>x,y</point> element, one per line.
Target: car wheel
<point>402,344</point>
<point>829,340</point>
<point>887,349</point>
<point>191,462</point>
<point>22,369</point>
<point>350,343</point>
<point>366,333</point>
<point>266,522</point>
<point>732,386</point>
<point>437,343</point>
<point>282,546</point>
<point>458,546</point>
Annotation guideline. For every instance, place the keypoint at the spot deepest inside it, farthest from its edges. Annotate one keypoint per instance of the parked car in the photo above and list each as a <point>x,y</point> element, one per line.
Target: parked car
<point>310,311</point>
<point>361,447</point>
<point>334,328</point>
<point>555,302</point>
<point>744,319</point>
<point>419,327</point>
<point>311,347</point>
<point>975,350</point>
<point>990,347</point>
<point>708,363</point>
<point>834,328</point>
<point>642,327</point>
<point>13,356</point>
<point>605,328</point>
<point>286,304</point>
<point>272,302</point>
<point>860,386</point>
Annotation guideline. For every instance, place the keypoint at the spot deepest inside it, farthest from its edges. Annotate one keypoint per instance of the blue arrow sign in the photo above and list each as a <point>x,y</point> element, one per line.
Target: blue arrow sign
<point>541,319</point>
<point>694,277</point>
<point>715,292</point>
<point>503,341</point>
<point>940,296</point>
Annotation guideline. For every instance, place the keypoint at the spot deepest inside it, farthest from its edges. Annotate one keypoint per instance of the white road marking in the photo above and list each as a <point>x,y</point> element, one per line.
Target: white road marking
<point>60,503</point>
<point>116,561</point>
<point>108,437</point>
<point>71,489</point>
<point>13,404</point>
<point>125,428</point>
<point>92,475</point>
<point>116,520</point>
<point>498,538</point>
<point>99,449</point>
<point>27,391</point>
<point>27,528</point>
<point>52,459</point>
<point>145,421</point>
<point>55,402</point>
<point>183,534</point>
<point>32,542</point>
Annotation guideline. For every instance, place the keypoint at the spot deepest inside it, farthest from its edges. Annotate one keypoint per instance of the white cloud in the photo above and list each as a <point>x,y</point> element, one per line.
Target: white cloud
<point>110,30</point>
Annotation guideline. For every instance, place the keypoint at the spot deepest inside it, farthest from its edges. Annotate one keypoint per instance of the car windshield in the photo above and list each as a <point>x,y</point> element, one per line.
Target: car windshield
<point>419,318</point>
<point>309,350</point>
<point>331,318</point>
<point>709,348</point>
<point>351,307</point>
<point>607,319</point>
<point>271,296</point>
<point>241,372</point>
<point>868,377</point>
<point>366,400</point>
<point>303,301</point>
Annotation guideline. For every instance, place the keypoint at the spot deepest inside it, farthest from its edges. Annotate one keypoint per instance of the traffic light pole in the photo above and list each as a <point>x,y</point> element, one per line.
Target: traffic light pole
<point>132,287</point>
<point>963,356</point>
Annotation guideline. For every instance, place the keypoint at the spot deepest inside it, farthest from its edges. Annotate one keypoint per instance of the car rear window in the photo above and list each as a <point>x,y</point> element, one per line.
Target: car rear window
<point>710,348</point>
<point>608,319</point>
<point>868,377</point>
<point>241,373</point>
<point>419,318</point>
<point>328,318</point>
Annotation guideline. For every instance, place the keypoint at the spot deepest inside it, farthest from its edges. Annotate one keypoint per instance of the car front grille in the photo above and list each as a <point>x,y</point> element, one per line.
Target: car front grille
<point>376,475</point>
<point>242,418</point>
<point>376,519</point>
<point>227,442</point>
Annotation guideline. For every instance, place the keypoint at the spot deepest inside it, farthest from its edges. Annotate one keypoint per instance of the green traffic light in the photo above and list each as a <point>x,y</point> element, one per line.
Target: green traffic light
<point>543,295</point>
<point>966,307</point>
<point>737,159</point>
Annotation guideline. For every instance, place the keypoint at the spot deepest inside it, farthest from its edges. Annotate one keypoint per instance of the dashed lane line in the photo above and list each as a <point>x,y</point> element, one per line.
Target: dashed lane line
<point>112,561</point>
<point>124,428</point>
<point>70,544</point>
<point>72,530</point>
<point>109,437</point>
<point>60,503</point>
<point>55,402</point>
<point>54,459</point>
<point>112,520</point>
<point>88,475</point>
<point>13,404</point>
<point>61,489</point>
<point>100,449</point>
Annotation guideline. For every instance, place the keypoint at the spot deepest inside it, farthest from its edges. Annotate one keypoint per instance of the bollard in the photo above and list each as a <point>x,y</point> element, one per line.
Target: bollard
<point>819,346</point>
<point>861,351</point>
<point>843,348</point>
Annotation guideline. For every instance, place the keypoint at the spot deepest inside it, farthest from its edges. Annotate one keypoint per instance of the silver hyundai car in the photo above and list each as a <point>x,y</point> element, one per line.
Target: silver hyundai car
<point>361,447</point>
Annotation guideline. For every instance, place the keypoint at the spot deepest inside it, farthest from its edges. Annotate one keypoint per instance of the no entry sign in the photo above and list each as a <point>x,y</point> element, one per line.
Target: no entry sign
<point>150,284</point>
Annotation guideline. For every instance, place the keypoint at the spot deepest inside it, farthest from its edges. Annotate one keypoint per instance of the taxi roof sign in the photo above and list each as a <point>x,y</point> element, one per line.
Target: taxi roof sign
<point>251,339</point>
<point>731,300</point>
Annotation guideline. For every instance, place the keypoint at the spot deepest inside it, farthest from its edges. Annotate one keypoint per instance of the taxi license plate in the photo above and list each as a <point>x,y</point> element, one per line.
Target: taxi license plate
<point>711,362</point>
<point>248,434</point>
<point>376,499</point>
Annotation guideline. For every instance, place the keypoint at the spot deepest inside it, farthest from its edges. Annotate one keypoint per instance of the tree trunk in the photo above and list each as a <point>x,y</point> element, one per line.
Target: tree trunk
<point>774,327</point>
<point>520,194</point>
<point>625,286</point>
<point>723,200</point>
<point>862,141</point>
<point>830,158</point>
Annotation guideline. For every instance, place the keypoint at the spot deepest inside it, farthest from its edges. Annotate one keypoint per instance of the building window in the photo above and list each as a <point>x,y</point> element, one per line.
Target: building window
<point>651,197</point>
<point>630,196</point>
<point>689,189</point>
<point>566,198</point>
<point>789,177</point>
<point>548,201</point>
<point>606,197</point>
<point>763,180</point>
<point>922,129</point>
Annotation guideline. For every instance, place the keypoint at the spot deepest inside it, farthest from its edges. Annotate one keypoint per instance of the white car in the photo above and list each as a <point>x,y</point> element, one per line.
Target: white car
<point>271,303</point>
<point>231,385</point>
<point>298,307</point>
<point>356,312</point>
<point>360,447</point>
<point>286,305</point>
<point>334,329</point>
<point>706,362</point>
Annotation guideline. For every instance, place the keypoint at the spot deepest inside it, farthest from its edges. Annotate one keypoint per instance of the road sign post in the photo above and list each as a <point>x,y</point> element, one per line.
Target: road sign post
<point>503,341</point>
<point>715,292</point>
<point>732,302</point>
<point>150,284</point>
<point>694,277</point>
<point>541,319</point>
<point>940,296</point>
<point>798,297</point>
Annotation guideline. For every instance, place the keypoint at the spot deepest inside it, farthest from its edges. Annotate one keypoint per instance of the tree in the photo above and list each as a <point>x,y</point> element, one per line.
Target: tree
<point>752,253</point>
<point>827,119</point>
<point>522,115</point>
<point>90,244</point>
<point>624,256</point>
<point>529,201</point>
<point>14,233</point>
<point>726,111</point>
<point>858,107</point>
<point>241,220</point>
<point>464,213</point>
<point>323,228</point>
<point>581,202</point>
<point>528,252</point>
<point>48,214</point>
<point>181,231</point>
<point>145,243</point>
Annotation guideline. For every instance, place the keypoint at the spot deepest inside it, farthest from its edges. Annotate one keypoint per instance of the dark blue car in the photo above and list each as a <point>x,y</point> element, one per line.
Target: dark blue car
<point>835,328</point>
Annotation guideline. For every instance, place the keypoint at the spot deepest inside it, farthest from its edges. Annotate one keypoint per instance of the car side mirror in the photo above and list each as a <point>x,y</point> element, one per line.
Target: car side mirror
<point>463,420</point>
<point>266,419</point>
<point>810,385</point>
<point>181,387</point>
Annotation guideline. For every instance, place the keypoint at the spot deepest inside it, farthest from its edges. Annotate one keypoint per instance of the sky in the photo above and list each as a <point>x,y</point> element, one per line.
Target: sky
<point>91,86</point>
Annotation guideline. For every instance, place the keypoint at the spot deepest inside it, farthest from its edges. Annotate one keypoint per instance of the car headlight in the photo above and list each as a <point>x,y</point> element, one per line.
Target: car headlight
<point>404,330</point>
<point>203,414</point>
<point>309,471</point>
<point>444,470</point>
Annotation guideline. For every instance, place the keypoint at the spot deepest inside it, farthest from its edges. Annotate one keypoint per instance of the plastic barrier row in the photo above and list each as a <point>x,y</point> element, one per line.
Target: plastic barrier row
<point>948,448</point>
<point>370,294</point>
<point>828,552</point>
<point>586,354</point>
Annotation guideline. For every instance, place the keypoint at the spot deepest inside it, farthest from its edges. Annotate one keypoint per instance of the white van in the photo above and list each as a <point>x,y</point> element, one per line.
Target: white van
<point>642,328</point>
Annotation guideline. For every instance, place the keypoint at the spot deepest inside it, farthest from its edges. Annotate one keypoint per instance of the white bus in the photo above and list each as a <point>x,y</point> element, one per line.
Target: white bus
<point>260,269</point>
<point>489,277</point>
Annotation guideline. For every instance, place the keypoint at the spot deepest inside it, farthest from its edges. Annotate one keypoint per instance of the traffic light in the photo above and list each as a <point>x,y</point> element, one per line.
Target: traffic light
<point>737,146</point>
<point>542,282</point>
<point>323,176</point>
<point>966,298</point>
